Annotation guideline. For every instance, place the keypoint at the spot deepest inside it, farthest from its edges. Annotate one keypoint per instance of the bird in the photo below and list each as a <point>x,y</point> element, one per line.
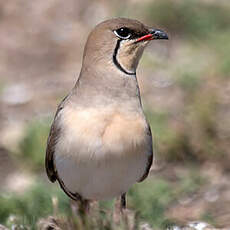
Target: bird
<point>100,142</point>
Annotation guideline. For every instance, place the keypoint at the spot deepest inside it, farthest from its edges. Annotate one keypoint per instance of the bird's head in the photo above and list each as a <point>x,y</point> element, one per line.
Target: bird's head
<point>119,43</point>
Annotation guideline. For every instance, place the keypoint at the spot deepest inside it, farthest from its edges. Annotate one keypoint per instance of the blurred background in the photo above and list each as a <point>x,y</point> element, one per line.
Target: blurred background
<point>185,88</point>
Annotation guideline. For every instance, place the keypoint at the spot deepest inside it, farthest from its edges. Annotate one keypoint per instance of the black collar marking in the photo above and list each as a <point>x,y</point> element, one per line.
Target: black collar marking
<point>116,62</point>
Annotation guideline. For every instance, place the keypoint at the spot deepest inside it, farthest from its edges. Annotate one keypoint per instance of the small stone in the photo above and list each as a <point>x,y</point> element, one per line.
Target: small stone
<point>198,225</point>
<point>145,226</point>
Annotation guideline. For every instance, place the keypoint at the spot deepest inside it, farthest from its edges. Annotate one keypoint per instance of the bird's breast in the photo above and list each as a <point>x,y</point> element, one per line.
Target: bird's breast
<point>98,131</point>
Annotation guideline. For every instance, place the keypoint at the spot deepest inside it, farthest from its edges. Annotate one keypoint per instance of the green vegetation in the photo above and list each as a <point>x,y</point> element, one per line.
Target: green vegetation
<point>221,48</point>
<point>28,207</point>
<point>188,81</point>
<point>191,183</point>
<point>208,218</point>
<point>150,200</point>
<point>191,18</point>
<point>32,147</point>
<point>198,138</point>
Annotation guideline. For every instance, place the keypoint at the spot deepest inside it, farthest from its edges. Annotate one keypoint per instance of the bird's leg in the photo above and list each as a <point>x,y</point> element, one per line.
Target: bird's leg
<point>123,202</point>
<point>80,208</point>
<point>119,207</point>
<point>83,207</point>
<point>94,207</point>
<point>120,203</point>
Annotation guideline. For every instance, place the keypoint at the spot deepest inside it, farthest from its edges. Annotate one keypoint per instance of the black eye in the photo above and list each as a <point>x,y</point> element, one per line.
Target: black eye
<point>123,33</point>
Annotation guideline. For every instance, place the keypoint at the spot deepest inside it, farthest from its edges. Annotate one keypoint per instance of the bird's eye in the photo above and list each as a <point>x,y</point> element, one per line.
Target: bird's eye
<point>123,33</point>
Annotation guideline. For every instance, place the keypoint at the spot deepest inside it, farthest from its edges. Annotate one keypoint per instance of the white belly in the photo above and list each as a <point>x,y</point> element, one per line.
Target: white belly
<point>100,158</point>
<point>100,179</point>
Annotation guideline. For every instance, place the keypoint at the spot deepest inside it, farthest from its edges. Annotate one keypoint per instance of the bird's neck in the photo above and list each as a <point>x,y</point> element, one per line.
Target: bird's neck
<point>107,85</point>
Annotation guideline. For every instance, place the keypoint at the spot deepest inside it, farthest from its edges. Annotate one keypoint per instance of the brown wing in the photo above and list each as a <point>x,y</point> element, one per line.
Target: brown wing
<point>150,158</point>
<point>50,151</point>
<point>51,142</point>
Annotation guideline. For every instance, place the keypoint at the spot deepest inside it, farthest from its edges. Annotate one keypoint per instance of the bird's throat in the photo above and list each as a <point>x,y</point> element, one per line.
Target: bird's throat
<point>118,63</point>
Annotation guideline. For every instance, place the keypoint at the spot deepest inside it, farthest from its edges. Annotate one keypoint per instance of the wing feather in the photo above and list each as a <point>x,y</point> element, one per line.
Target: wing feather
<point>150,158</point>
<point>51,143</point>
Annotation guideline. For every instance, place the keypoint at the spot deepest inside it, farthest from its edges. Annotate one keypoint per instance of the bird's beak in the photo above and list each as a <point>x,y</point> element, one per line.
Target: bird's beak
<point>153,34</point>
<point>158,34</point>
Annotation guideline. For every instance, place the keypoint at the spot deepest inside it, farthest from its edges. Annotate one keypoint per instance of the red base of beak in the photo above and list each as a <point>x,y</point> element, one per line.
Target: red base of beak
<point>145,38</point>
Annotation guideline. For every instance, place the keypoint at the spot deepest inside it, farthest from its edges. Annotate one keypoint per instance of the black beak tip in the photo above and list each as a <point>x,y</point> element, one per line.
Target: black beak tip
<point>164,36</point>
<point>158,34</point>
